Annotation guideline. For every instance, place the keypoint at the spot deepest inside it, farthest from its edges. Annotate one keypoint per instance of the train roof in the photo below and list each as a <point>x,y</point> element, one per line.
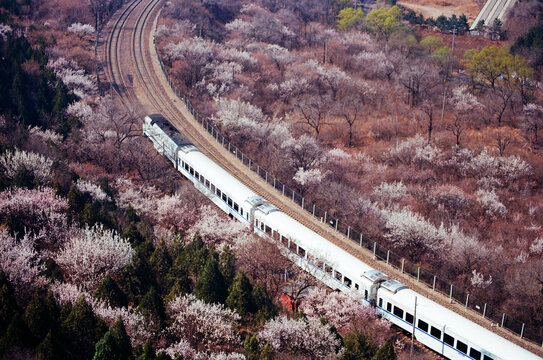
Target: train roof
<point>462,328</point>
<point>178,138</point>
<point>315,244</point>
<point>219,177</point>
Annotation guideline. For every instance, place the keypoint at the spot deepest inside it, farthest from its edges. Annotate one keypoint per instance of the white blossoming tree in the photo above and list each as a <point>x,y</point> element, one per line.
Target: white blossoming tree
<point>299,337</point>
<point>92,253</point>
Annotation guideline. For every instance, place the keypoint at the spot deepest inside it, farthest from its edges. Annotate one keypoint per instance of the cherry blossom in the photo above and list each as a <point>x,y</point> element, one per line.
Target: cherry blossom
<point>216,229</point>
<point>299,337</point>
<point>46,135</point>
<point>66,293</point>
<point>308,177</point>
<point>81,29</point>
<point>341,309</point>
<point>478,280</point>
<point>21,262</point>
<point>39,211</point>
<point>490,203</point>
<point>93,252</point>
<point>39,165</point>
<point>5,30</point>
<point>388,193</point>
<point>202,324</point>
<point>410,231</point>
<point>94,190</point>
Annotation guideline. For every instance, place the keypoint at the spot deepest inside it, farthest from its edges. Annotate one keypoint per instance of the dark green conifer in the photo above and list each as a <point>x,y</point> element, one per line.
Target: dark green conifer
<point>267,353</point>
<point>240,297</point>
<point>151,305</point>
<point>161,263</point>
<point>210,286</point>
<point>81,330</point>
<point>250,347</point>
<point>264,305</point>
<point>358,346</point>
<point>137,278</point>
<point>8,303</point>
<point>193,256</point>
<point>48,348</point>
<point>24,178</point>
<point>148,353</point>
<point>227,265</point>
<point>109,292</point>
<point>17,334</point>
<point>106,348</point>
<point>39,316</point>
<point>385,352</point>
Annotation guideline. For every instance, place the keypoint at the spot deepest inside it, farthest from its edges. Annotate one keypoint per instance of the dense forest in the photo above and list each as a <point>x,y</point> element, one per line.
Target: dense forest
<point>106,253</point>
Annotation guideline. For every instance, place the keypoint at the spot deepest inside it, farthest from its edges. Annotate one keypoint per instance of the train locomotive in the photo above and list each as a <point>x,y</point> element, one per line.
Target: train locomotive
<point>440,329</point>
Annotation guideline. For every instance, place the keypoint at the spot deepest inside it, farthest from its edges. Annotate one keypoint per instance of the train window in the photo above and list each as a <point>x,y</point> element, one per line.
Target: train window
<point>186,166</point>
<point>461,347</point>
<point>230,202</point>
<point>301,252</point>
<point>224,197</point>
<point>212,188</point>
<point>338,275</point>
<point>197,175</point>
<point>236,207</point>
<point>275,235</point>
<point>208,185</point>
<point>347,281</point>
<point>241,211</point>
<point>475,354</point>
<point>409,318</point>
<point>219,192</point>
<point>191,170</point>
<point>268,230</point>
<point>365,294</point>
<point>423,325</point>
<point>448,339</point>
<point>389,307</point>
<point>356,286</point>
<point>380,303</point>
<point>486,357</point>
<point>292,246</point>
<point>435,332</point>
<point>262,226</point>
<point>284,240</point>
<point>328,269</point>
<point>398,312</point>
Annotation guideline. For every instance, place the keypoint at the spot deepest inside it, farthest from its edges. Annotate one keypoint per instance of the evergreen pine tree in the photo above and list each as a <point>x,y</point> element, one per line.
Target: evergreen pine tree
<point>17,334</point>
<point>151,305</point>
<point>210,286</point>
<point>137,278</point>
<point>358,346</point>
<point>385,352</point>
<point>61,100</point>
<point>109,292</point>
<point>76,200</point>
<point>148,353</point>
<point>24,178</point>
<point>267,353</point>
<point>250,347</point>
<point>8,303</point>
<point>48,349</point>
<point>106,348</point>
<point>227,265</point>
<point>194,255</point>
<point>39,317</point>
<point>240,297</point>
<point>264,305</point>
<point>161,263</point>
<point>122,340</point>
<point>181,286</point>
<point>81,330</point>
<point>163,356</point>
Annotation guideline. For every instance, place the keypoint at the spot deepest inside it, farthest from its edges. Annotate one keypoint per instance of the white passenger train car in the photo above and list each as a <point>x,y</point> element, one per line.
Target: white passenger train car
<point>440,329</point>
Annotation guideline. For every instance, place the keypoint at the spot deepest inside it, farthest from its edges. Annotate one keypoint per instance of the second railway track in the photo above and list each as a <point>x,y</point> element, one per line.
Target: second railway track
<point>134,73</point>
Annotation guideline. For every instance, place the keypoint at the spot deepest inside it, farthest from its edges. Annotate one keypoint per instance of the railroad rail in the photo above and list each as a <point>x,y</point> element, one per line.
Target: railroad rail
<point>134,72</point>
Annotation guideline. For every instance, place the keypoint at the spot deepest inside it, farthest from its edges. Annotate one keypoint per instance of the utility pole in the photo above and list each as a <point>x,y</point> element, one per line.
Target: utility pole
<point>413,332</point>
<point>454,32</point>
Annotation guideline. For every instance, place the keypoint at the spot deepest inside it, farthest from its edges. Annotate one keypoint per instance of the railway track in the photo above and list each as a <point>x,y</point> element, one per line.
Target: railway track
<point>135,75</point>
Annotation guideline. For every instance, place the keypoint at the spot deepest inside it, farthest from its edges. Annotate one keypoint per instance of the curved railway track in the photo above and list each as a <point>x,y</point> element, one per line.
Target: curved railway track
<point>134,73</point>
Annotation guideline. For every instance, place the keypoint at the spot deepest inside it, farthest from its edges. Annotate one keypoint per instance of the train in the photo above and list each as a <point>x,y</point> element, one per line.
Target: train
<point>440,329</point>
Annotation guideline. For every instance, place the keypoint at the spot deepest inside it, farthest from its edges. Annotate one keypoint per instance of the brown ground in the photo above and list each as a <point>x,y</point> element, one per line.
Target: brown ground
<point>434,8</point>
